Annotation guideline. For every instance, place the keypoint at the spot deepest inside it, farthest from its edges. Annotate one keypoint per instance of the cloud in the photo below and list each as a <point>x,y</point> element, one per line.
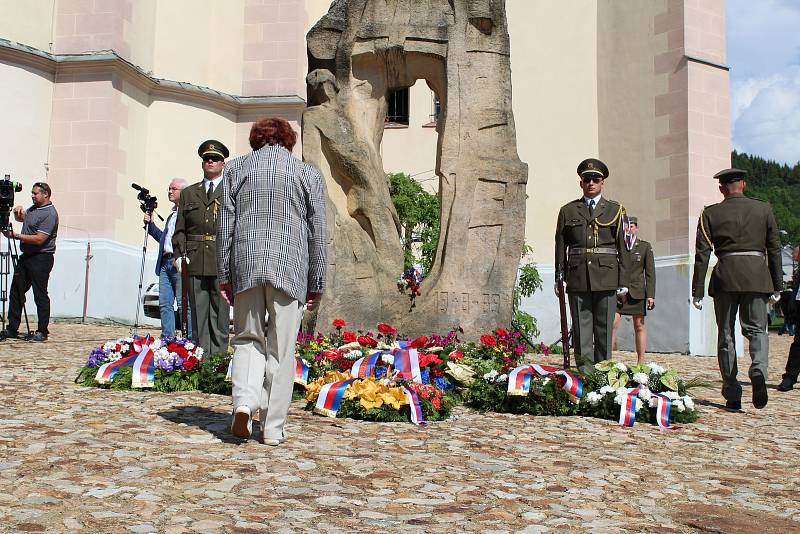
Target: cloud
<point>767,116</point>
<point>764,55</point>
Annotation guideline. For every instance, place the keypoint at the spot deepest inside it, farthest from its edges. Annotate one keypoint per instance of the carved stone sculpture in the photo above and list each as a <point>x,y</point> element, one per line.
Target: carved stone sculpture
<point>359,53</point>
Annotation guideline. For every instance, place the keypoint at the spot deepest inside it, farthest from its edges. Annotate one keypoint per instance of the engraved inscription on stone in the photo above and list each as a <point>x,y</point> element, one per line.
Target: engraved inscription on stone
<point>453,302</point>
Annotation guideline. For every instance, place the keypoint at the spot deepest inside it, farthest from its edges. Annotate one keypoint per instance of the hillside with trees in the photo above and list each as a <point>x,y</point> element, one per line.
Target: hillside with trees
<point>778,184</point>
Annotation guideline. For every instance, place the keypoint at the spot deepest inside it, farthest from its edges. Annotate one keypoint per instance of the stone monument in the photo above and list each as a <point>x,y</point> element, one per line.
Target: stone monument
<point>360,52</point>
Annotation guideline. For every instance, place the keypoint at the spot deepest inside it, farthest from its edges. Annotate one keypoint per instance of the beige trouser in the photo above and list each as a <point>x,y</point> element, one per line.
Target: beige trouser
<point>265,323</point>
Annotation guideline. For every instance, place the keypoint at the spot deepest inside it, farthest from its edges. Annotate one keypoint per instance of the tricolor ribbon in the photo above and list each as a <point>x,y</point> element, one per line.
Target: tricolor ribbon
<point>107,371</point>
<point>573,385</point>
<point>627,234</point>
<point>144,365</point>
<point>662,411</point>
<point>364,367</point>
<point>406,361</point>
<point>330,397</point>
<point>300,371</point>
<point>414,406</point>
<point>519,381</point>
<point>627,412</point>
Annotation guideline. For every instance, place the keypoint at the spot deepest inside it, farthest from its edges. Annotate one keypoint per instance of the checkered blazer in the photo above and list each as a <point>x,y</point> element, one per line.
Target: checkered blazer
<point>272,227</point>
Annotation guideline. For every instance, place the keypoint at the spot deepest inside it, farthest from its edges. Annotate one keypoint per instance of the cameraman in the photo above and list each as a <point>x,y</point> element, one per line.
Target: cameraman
<point>169,279</point>
<point>38,244</point>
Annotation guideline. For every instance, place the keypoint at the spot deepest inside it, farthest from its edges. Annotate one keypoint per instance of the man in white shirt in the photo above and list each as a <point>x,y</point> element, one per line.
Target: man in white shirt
<point>169,279</point>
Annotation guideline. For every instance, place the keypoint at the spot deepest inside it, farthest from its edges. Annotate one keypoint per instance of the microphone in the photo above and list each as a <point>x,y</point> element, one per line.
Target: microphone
<point>140,188</point>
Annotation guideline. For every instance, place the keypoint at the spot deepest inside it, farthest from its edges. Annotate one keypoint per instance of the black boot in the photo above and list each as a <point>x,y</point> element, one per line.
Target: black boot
<point>760,396</point>
<point>787,383</point>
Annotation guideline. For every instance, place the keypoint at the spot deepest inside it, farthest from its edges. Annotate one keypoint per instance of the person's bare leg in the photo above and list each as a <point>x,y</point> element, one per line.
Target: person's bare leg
<point>617,318</point>
<point>641,337</point>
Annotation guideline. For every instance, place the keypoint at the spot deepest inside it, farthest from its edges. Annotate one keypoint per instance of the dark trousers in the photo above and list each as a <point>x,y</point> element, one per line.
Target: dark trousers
<point>32,271</point>
<point>592,323</point>
<point>211,315</point>
<point>793,363</point>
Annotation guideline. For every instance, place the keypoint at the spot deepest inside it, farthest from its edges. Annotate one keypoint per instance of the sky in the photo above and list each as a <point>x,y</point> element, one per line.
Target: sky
<point>763,38</point>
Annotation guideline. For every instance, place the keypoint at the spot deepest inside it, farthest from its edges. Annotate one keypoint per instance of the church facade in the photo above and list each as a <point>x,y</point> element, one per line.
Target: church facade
<point>102,93</point>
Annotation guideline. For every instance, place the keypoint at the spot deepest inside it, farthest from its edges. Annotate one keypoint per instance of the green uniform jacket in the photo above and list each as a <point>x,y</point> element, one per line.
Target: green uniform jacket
<point>738,224</point>
<point>197,216</point>
<point>576,229</point>
<point>641,267</point>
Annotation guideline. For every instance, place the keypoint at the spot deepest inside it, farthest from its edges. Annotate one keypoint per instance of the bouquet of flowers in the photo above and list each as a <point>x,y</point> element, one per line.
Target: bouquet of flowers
<point>374,399</point>
<point>645,392</point>
<point>608,390</point>
<point>173,364</point>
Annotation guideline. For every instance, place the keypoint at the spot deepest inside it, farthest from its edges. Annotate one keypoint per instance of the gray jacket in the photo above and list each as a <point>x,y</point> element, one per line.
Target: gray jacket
<point>272,228</point>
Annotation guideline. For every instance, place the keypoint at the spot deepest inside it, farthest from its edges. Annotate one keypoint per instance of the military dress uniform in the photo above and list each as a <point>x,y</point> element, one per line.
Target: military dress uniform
<point>195,236</point>
<point>588,244</point>
<point>744,236</point>
<point>641,268</point>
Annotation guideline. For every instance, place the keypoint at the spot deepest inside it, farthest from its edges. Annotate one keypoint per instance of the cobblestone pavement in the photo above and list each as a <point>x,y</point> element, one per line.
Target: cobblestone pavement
<point>77,459</point>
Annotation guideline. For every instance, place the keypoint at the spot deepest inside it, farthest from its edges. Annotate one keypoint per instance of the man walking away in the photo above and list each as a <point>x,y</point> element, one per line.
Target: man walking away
<point>743,234</point>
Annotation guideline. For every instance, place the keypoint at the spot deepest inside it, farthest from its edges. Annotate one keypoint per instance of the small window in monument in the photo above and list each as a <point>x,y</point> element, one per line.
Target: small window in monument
<point>397,114</point>
<point>436,108</point>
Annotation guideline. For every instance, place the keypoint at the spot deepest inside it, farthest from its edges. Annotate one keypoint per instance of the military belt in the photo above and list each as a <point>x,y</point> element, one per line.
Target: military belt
<point>758,253</point>
<point>191,237</point>
<point>580,251</point>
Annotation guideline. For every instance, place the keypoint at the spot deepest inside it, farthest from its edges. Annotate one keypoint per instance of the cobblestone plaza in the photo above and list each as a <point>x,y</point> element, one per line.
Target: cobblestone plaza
<point>77,459</point>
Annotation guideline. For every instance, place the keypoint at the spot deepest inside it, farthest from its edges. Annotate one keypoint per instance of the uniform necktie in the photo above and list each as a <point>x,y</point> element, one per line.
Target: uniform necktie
<point>591,207</point>
<point>210,189</point>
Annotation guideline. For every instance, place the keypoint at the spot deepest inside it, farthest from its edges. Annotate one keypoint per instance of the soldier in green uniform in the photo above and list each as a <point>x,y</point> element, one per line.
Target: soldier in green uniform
<point>195,236</point>
<point>641,267</point>
<point>744,236</point>
<point>589,239</point>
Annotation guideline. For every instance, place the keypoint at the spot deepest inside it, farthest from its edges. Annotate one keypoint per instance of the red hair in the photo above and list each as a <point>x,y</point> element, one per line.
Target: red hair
<point>272,131</point>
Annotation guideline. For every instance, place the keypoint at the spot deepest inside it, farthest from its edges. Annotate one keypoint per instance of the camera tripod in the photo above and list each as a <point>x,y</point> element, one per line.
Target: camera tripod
<point>7,259</point>
<point>135,328</point>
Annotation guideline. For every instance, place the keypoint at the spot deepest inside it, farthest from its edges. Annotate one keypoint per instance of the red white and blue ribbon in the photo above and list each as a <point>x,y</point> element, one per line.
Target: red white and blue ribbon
<point>627,412</point>
<point>330,397</point>
<point>364,367</point>
<point>573,385</point>
<point>519,380</point>
<point>300,371</point>
<point>662,411</point>
<point>415,408</point>
<point>106,372</point>
<point>406,362</point>
<point>144,367</point>
<point>627,234</point>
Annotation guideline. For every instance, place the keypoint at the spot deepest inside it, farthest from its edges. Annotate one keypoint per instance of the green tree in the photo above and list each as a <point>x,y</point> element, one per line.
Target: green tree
<point>419,213</point>
<point>528,283</point>
<point>777,184</point>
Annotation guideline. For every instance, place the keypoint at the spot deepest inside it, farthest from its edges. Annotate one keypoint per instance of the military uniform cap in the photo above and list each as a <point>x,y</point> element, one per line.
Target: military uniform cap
<point>730,175</point>
<point>592,166</point>
<point>213,147</point>
<point>633,220</point>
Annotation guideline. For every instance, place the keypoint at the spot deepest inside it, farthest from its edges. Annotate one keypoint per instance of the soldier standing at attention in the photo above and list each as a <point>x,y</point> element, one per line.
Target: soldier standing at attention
<point>195,236</point>
<point>589,240</point>
<point>744,236</point>
<point>641,267</point>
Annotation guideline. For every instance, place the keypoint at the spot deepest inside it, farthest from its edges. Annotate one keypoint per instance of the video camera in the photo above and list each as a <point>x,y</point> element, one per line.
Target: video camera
<point>148,202</point>
<point>7,190</point>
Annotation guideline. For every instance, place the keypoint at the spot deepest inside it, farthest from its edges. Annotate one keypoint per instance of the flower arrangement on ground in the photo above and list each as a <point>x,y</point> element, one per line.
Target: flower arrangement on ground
<point>162,364</point>
<point>608,390</point>
<point>377,399</point>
